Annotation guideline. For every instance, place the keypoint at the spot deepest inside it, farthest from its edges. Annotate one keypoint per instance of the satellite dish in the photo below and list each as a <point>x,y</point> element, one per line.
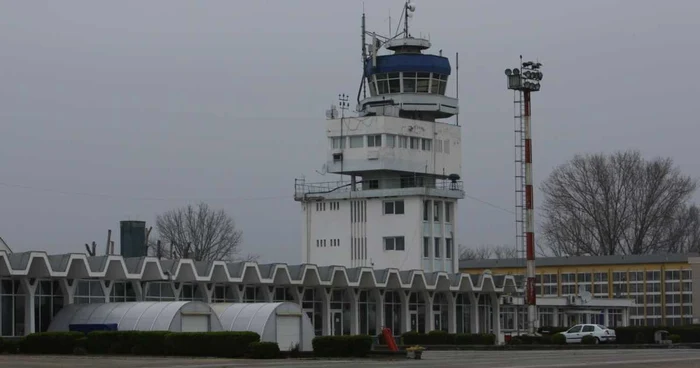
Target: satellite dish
<point>585,296</point>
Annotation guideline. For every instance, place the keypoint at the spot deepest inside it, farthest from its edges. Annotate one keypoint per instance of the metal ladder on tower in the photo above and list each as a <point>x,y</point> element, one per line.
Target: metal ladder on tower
<point>519,143</point>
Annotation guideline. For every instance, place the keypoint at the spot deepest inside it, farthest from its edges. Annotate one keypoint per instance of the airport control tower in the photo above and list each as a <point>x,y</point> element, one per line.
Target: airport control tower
<point>399,158</point>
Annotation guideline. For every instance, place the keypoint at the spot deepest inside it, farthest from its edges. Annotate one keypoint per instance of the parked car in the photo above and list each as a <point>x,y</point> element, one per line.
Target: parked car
<point>600,332</point>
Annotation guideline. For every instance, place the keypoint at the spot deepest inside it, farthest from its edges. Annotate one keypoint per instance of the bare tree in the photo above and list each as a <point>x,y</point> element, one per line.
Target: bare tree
<point>199,233</point>
<point>618,204</point>
<point>488,252</point>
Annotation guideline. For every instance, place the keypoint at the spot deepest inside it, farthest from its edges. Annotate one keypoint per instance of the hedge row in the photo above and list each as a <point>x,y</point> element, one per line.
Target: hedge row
<point>645,334</point>
<point>342,346</point>
<point>444,338</point>
<point>210,344</point>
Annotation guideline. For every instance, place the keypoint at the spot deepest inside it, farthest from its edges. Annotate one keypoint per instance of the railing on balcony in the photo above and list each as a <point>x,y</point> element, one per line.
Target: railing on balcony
<point>303,189</point>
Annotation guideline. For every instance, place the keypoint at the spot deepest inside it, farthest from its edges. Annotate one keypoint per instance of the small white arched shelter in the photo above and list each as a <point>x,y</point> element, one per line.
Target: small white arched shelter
<point>140,316</point>
<point>283,323</point>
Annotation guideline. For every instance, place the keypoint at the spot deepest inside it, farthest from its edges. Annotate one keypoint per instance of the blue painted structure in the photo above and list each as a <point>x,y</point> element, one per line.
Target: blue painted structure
<point>409,63</point>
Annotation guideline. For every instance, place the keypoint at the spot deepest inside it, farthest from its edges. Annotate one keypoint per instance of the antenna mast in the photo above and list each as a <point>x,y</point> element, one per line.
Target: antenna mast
<point>364,51</point>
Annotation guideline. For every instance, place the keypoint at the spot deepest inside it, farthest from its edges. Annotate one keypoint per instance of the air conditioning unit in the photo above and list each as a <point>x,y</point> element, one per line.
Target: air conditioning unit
<point>572,299</point>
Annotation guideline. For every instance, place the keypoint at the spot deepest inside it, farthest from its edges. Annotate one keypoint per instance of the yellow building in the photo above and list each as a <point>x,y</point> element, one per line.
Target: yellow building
<point>661,285</point>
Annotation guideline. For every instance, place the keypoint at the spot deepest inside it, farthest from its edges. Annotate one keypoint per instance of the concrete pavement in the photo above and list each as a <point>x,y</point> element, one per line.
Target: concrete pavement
<point>666,358</point>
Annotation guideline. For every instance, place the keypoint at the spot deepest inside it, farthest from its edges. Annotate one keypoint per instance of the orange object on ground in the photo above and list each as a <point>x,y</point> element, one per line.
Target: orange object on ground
<point>389,338</point>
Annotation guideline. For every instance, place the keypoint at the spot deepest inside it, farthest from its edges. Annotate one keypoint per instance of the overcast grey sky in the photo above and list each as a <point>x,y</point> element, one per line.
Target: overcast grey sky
<point>156,104</point>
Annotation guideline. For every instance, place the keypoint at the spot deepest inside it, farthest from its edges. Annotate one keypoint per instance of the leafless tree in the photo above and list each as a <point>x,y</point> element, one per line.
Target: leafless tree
<point>620,203</point>
<point>488,252</point>
<point>199,233</point>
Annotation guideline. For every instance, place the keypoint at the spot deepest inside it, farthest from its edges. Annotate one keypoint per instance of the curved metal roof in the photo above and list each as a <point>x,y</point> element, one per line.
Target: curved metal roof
<point>115,267</point>
<point>130,316</point>
<point>246,316</point>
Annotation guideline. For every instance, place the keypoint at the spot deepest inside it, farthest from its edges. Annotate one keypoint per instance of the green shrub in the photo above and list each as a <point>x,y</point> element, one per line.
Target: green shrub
<point>126,342</point>
<point>515,340</point>
<point>436,337</point>
<point>559,339</point>
<point>51,342</point>
<point>641,338</point>
<point>210,344</point>
<point>342,346</point>
<point>1,345</point>
<point>439,337</point>
<point>675,338</point>
<point>550,330</point>
<point>589,340</point>
<point>264,350</point>
<point>536,340</point>
<point>475,339</point>
<point>11,346</point>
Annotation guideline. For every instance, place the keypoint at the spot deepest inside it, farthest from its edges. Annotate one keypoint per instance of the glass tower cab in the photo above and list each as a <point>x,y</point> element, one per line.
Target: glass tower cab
<point>407,83</point>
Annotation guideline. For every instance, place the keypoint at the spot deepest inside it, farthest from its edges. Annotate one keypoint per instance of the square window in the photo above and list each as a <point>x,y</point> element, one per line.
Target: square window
<point>415,143</point>
<point>357,141</point>
<point>374,140</point>
<point>403,142</point>
<point>338,142</point>
<point>398,208</point>
<point>388,207</point>
<point>399,243</point>
<point>390,140</point>
<point>426,144</point>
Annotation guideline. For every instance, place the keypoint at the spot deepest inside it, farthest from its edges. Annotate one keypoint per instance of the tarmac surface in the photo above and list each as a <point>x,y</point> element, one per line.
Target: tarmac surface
<point>653,358</point>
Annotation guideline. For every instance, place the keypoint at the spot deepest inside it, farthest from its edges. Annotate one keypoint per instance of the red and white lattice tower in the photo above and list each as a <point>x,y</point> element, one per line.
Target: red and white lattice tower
<point>523,82</point>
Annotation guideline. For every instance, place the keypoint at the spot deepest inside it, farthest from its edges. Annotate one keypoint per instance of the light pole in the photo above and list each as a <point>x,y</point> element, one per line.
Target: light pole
<point>524,81</point>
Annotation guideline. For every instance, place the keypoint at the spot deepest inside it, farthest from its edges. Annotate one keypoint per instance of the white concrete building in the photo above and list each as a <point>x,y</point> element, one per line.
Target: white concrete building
<point>395,204</point>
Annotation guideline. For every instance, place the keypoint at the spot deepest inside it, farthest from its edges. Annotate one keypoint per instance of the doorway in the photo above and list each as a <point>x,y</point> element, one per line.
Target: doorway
<point>337,322</point>
<point>413,317</point>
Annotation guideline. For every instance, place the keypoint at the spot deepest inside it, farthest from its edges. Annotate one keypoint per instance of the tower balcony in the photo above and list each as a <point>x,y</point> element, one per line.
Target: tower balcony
<point>378,188</point>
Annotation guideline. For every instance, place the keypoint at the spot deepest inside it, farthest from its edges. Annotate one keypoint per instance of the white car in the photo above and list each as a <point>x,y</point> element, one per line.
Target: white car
<point>601,333</point>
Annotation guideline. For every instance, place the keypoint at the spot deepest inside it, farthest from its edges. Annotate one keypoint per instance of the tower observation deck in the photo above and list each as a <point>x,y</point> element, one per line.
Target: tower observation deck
<point>399,160</point>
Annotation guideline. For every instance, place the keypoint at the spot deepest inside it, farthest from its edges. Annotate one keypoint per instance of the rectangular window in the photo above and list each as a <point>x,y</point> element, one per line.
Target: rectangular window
<point>395,83</point>
<point>448,248</point>
<point>426,210</point>
<point>446,146</point>
<point>415,143</point>
<point>357,141</point>
<point>373,184</point>
<point>437,247</point>
<point>403,142</point>
<point>438,145</point>
<point>374,140</point>
<point>393,208</point>
<point>409,82</point>
<point>426,247</point>
<point>338,142</point>
<point>436,211</point>
<point>390,140</point>
<point>423,82</point>
<point>426,144</point>
<point>435,83</point>
<point>448,212</point>
<point>394,243</point>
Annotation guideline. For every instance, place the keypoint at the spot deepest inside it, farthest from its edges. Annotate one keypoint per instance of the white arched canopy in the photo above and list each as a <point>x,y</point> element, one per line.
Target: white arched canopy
<point>283,323</point>
<point>140,316</point>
